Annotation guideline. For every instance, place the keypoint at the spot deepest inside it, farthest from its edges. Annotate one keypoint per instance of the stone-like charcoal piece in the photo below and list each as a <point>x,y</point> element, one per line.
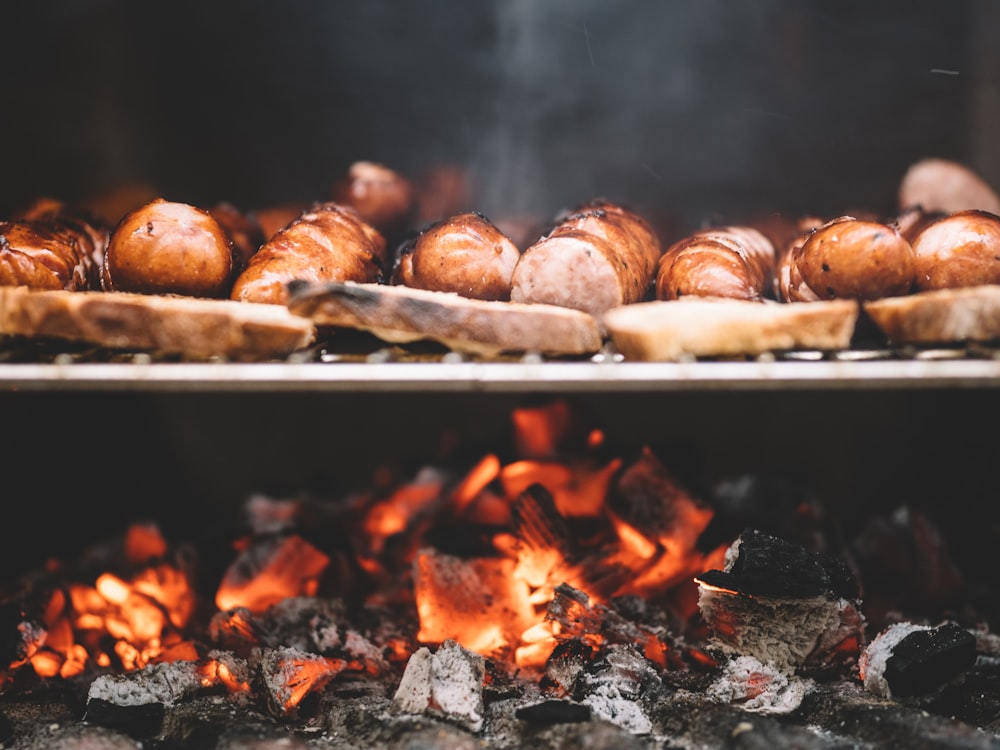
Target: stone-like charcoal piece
<point>907,659</point>
<point>615,686</point>
<point>447,683</point>
<point>780,603</point>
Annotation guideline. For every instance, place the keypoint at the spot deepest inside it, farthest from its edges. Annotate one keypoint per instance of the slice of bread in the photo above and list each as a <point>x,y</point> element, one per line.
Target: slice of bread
<point>399,314</point>
<point>940,316</point>
<point>192,327</point>
<point>665,331</point>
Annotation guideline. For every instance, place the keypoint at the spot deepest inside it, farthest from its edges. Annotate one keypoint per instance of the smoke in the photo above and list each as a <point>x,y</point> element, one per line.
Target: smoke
<point>696,109</point>
<point>710,109</point>
<point>639,102</point>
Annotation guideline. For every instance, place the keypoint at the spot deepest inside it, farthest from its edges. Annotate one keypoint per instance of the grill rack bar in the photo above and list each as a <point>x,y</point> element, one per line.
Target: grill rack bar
<point>416,369</point>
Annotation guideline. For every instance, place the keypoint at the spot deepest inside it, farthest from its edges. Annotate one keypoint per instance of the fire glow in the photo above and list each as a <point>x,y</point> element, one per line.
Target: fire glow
<point>553,549</point>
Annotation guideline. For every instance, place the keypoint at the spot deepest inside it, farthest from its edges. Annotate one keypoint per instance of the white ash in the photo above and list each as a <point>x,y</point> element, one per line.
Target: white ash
<point>787,633</point>
<point>302,622</point>
<point>615,689</point>
<point>267,515</point>
<point>758,687</point>
<point>358,646</point>
<point>608,703</point>
<point>448,683</point>
<point>165,683</point>
<point>874,658</point>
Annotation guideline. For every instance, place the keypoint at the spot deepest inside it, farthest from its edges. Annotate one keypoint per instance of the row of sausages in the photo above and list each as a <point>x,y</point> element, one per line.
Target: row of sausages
<point>595,257</point>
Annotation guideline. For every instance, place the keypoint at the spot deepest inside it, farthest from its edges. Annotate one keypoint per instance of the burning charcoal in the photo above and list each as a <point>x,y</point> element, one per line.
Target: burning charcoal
<point>545,430</point>
<point>554,712</point>
<point>757,687</point>
<point>448,684</point>
<point>650,509</point>
<point>547,553</point>
<point>907,659</point>
<point>648,496</point>
<point>139,697</point>
<point>289,675</point>
<point>566,662</point>
<point>318,626</point>
<point>579,617</point>
<point>235,629</point>
<point>478,603</point>
<point>21,634</point>
<point>165,683</point>
<point>225,668</point>
<point>614,685</point>
<point>269,570</point>
<point>782,604</point>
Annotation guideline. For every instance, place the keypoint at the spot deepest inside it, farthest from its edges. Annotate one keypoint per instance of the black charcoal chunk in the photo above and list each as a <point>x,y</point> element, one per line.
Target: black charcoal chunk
<point>782,605</point>
<point>763,565</point>
<point>554,712</point>
<point>926,659</point>
<point>138,720</point>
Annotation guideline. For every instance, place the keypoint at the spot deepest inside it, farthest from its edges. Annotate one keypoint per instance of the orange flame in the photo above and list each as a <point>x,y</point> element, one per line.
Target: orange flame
<point>267,573</point>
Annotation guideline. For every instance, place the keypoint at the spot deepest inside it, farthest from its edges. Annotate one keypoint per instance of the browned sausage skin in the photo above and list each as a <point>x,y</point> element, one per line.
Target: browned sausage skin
<point>959,250</point>
<point>596,257</point>
<point>848,258</point>
<point>945,187</point>
<point>244,232</point>
<point>49,247</point>
<point>788,283</point>
<point>736,262</point>
<point>382,197</point>
<point>167,247</point>
<point>465,254</point>
<point>328,242</point>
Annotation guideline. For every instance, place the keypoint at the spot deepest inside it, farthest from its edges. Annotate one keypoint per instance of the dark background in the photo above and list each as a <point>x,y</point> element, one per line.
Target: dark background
<point>693,110</point>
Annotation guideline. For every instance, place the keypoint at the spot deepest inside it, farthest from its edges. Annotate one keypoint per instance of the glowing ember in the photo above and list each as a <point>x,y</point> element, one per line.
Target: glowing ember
<point>559,532</point>
<point>477,603</point>
<point>269,571</point>
<point>291,674</point>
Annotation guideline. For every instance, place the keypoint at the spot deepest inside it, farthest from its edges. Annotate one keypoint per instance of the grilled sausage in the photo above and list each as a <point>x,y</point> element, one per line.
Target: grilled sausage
<point>328,242</point>
<point>736,262</point>
<point>847,258</point>
<point>788,283</point>
<point>382,197</point>
<point>597,257</point>
<point>959,250</point>
<point>166,247</point>
<point>465,254</point>
<point>48,246</point>
<point>944,186</point>
<point>243,229</point>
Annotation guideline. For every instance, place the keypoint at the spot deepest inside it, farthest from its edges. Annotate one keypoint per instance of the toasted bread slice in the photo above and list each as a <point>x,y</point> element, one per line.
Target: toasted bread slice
<point>940,316</point>
<point>665,331</point>
<point>399,314</point>
<point>195,328</point>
